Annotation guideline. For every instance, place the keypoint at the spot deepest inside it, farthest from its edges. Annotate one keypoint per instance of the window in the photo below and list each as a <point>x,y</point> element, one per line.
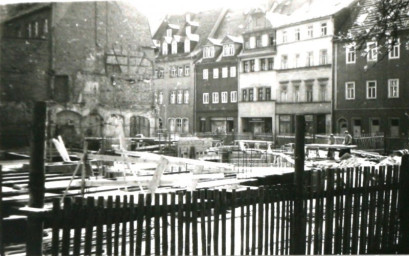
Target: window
<point>350,90</point>
<point>244,95</point>
<point>260,94</point>
<point>258,42</point>
<point>215,73</point>
<point>187,45</point>
<point>180,97</point>
<point>161,73</point>
<point>264,40</point>
<point>186,96</point>
<point>310,31</point>
<point>372,51</point>
<point>270,63</point>
<point>252,65</point>
<point>247,44</point>
<point>160,98</point>
<point>208,52</point>
<point>45,27</point>
<point>309,93</point>
<point>169,32</point>
<point>252,42</point>
<point>232,71</point>
<point>29,30</point>
<point>324,29</point>
<point>171,124</point>
<point>350,54</point>
<point>215,97</point>
<point>284,61</point>
<point>225,72</point>
<point>180,71</point>
<point>284,38</point>
<point>205,98</point>
<point>263,64</point>
<point>296,93</point>
<point>323,91</point>
<point>185,125</point>
<point>164,48</point>
<point>323,57</point>
<point>172,97</point>
<point>268,93</point>
<point>205,74</point>
<point>178,124</point>
<point>173,72</point>
<point>246,66</point>
<point>394,51</point>
<point>224,97</point>
<point>297,60</point>
<point>233,96</point>
<point>297,35</point>
<point>174,47</point>
<point>251,94</point>
<point>371,89</point>
<point>228,50</point>
<point>310,59</point>
<point>283,93</point>
<point>36,29</point>
<point>393,88</point>
<point>187,70</point>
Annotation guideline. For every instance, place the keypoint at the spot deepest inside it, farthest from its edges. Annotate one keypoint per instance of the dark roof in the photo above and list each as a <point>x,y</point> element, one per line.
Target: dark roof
<point>233,24</point>
<point>14,11</point>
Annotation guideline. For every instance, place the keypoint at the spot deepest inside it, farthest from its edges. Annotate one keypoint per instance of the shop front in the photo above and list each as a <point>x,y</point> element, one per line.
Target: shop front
<point>257,125</point>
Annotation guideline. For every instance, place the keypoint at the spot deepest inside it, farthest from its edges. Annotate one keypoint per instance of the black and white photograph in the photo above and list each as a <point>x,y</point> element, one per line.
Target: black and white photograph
<point>217,127</point>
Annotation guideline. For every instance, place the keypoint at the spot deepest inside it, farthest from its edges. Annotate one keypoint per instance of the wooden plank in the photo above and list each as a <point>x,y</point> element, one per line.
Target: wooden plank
<point>202,221</point>
<point>187,212</point>
<point>248,213</point>
<point>364,213</point>
<point>132,217</point>
<point>165,210</point>
<point>67,212</point>
<point>283,222</point>
<point>346,248</point>
<point>216,199</point>
<point>356,211</point>
<point>273,237</point>
<point>210,198</point>
<point>233,221</point>
<point>90,213</point>
<point>386,210</point>
<point>148,227</point>
<point>372,209</point>
<point>278,195</point>
<point>260,220</point>
<point>266,220</point>
<point>394,209</point>
<point>117,212</point>
<point>329,213</point>
<point>139,223</point>
<point>289,211</point>
<point>156,214</point>
<point>78,224</point>
<point>338,213</point>
<point>180,222</point>
<point>124,220</point>
<point>55,227</point>
<point>254,222</point>
<point>223,210</point>
<point>173,210</point>
<point>195,234</point>
<point>99,224</point>
<point>379,212</point>
<point>309,201</point>
<point>403,246</point>
<point>242,227</point>
<point>110,213</point>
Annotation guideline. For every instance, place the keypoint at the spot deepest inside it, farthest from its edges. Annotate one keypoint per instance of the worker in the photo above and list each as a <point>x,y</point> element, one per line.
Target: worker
<point>331,141</point>
<point>347,141</point>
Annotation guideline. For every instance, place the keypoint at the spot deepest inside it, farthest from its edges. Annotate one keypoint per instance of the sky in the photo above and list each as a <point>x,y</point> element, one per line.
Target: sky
<point>155,10</point>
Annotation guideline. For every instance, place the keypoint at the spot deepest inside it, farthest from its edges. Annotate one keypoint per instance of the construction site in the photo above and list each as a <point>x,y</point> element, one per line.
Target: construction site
<point>185,183</point>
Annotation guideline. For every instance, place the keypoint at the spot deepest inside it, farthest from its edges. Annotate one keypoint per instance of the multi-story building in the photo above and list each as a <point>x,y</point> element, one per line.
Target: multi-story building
<point>305,31</point>
<point>179,40</point>
<point>92,60</point>
<point>370,85</point>
<point>217,77</point>
<point>257,79</point>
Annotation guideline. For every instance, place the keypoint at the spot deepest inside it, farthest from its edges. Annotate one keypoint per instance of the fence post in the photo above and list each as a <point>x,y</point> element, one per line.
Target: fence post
<point>298,229</point>
<point>1,213</point>
<point>36,180</point>
<point>404,206</point>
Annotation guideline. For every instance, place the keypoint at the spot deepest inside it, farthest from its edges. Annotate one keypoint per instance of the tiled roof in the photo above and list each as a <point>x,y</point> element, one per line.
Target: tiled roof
<point>233,24</point>
<point>17,10</point>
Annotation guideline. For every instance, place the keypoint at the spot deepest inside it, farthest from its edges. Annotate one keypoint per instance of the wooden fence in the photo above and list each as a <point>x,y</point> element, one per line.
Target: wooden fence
<point>350,211</point>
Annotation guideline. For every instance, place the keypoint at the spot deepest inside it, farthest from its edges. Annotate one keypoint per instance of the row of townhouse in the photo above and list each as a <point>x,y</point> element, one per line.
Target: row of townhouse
<point>249,72</point>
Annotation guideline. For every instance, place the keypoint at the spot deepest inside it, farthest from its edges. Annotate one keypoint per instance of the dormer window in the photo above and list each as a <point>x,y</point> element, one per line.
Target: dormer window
<point>169,32</point>
<point>208,52</point>
<point>252,42</point>
<point>187,45</point>
<point>228,50</point>
<point>188,30</point>
<point>264,40</point>
<point>164,48</point>
<point>174,47</point>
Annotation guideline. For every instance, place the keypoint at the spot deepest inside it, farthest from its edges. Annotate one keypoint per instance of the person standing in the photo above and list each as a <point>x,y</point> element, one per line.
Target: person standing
<point>331,141</point>
<point>347,141</point>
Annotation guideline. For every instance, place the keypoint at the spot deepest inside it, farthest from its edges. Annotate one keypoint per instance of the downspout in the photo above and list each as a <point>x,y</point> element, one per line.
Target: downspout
<point>334,84</point>
<point>52,51</point>
<point>194,97</point>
